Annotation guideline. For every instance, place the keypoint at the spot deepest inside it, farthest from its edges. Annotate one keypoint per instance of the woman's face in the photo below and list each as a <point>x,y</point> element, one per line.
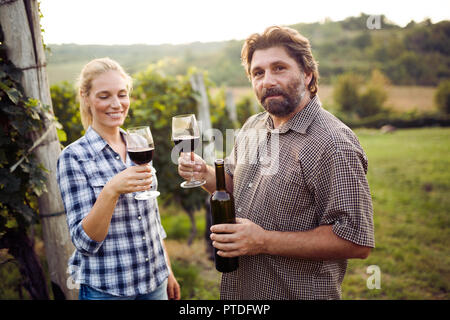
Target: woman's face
<point>108,100</point>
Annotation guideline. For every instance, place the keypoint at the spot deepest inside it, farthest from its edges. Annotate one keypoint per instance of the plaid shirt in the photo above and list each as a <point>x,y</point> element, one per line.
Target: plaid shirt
<point>130,260</point>
<point>309,172</point>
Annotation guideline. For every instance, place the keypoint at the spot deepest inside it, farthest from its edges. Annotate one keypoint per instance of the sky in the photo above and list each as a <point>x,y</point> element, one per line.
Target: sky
<point>184,21</point>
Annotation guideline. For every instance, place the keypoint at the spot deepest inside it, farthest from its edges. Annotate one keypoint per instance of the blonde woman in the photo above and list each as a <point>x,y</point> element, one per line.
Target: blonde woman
<point>120,252</point>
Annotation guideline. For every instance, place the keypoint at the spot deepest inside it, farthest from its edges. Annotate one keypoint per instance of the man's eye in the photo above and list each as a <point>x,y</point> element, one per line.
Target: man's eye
<point>257,73</point>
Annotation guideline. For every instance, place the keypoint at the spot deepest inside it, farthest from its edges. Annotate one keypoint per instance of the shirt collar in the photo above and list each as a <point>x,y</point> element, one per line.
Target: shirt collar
<point>96,141</point>
<point>301,121</point>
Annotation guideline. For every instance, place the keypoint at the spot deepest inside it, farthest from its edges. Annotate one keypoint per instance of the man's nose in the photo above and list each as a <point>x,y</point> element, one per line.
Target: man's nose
<point>269,80</point>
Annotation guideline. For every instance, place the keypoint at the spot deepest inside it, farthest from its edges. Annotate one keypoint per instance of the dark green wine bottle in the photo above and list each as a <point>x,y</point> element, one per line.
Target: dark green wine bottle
<point>222,210</point>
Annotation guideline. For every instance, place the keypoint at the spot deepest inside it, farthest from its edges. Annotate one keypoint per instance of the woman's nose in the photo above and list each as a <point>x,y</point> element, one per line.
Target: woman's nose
<point>116,103</point>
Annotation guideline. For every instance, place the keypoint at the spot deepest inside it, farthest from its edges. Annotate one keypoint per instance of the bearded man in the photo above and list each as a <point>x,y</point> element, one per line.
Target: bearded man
<point>304,206</point>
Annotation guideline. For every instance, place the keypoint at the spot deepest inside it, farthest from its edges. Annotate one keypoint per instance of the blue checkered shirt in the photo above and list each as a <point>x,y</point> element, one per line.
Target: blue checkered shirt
<point>130,260</point>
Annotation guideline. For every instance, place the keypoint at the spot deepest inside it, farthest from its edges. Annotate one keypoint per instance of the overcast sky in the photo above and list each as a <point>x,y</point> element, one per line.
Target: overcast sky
<point>184,21</point>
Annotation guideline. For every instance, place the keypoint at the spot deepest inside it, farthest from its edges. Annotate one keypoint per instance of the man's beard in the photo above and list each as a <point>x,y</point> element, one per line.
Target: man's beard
<point>289,101</point>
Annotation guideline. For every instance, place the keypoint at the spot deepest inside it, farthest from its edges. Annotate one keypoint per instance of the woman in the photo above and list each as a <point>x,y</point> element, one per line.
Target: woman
<point>120,252</point>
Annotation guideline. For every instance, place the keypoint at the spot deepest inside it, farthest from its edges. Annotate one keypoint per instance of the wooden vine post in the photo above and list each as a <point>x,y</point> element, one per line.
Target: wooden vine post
<point>22,37</point>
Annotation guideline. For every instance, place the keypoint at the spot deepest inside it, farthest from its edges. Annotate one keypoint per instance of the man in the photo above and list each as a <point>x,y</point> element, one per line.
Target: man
<point>297,223</point>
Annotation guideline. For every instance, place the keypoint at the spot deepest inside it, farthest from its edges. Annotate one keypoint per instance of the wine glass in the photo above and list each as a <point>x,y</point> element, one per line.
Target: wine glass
<point>186,134</point>
<point>140,148</point>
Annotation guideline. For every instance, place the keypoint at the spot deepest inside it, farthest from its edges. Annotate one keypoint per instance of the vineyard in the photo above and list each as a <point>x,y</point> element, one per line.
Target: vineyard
<point>397,75</point>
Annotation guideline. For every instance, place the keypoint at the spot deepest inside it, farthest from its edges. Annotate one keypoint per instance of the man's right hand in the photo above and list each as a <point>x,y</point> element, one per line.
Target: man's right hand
<point>191,164</point>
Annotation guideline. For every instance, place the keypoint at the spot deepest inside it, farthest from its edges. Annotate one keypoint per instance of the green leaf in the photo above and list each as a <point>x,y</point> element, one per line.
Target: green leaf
<point>12,93</point>
<point>62,136</point>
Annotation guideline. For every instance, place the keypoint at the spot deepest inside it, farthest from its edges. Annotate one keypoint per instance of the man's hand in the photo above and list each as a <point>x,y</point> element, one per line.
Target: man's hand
<point>243,238</point>
<point>191,164</point>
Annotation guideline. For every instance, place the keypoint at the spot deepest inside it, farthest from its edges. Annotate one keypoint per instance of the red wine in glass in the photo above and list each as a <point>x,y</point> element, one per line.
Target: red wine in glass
<point>141,155</point>
<point>140,147</point>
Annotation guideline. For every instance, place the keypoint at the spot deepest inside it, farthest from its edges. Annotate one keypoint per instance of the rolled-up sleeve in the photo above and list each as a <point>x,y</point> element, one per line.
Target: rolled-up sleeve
<point>78,200</point>
<point>344,197</point>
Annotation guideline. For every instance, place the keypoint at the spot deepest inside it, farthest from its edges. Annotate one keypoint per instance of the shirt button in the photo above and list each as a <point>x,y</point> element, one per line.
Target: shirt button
<point>139,217</point>
<point>239,209</point>
<point>146,259</point>
<point>143,238</point>
<point>117,157</point>
<point>250,185</point>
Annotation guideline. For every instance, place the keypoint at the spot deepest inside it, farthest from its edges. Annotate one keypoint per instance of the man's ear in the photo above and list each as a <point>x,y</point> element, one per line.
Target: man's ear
<point>308,78</point>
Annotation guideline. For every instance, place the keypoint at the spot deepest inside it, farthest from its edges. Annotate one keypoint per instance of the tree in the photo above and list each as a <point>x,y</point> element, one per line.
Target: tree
<point>67,112</point>
<point>20,184</point>
<point>19,21</point>
<point>442,97</point>
<point>346,92</point>
<point>371,101</point>
<point>355,98</point>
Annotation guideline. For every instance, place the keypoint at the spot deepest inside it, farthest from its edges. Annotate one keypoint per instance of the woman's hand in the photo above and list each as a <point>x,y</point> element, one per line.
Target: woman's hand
<point>132,179</point>
<point>173,288</point>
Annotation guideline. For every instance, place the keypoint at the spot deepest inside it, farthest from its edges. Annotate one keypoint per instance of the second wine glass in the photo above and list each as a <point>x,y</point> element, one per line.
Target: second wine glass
<point>186,135</point>
<point>140,147</point>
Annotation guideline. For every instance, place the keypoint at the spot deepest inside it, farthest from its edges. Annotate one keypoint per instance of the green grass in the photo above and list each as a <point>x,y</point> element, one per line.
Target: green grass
<point>409,178</point>
<point>177,224</point>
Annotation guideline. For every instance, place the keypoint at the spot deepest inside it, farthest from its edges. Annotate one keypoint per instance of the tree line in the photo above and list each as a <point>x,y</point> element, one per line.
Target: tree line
<point>417,54</point>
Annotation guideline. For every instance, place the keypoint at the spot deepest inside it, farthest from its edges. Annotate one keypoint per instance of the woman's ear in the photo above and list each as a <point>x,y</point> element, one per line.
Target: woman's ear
<point>85,99</point>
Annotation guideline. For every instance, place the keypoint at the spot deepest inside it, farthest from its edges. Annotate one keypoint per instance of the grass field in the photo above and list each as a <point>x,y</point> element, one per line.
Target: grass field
<point>409,178</point>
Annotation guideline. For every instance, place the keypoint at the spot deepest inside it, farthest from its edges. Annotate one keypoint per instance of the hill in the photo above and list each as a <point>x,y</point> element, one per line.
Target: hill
<point>418,54</point>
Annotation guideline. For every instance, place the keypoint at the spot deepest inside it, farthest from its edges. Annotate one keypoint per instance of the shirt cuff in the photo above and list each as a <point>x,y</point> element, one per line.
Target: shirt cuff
<point>84,243</point>
<point>359,237</point>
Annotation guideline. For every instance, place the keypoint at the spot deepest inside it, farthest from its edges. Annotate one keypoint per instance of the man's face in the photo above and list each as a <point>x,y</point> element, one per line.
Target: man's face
<point>277,81</point>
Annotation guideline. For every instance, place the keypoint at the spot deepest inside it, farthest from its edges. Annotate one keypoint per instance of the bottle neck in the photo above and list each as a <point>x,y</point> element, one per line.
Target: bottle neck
<point>220,175</point>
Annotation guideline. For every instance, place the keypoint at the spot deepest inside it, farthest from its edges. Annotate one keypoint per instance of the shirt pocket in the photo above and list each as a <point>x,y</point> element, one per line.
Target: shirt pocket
<point>97,183</point>
<point>291,201</point>
<point>97,175</point>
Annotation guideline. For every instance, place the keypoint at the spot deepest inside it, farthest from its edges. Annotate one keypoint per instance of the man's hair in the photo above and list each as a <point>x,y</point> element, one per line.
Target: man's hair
<point>296,46</point>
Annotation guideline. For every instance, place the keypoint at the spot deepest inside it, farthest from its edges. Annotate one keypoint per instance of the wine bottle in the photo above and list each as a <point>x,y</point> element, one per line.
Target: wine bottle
<point>222,211</point>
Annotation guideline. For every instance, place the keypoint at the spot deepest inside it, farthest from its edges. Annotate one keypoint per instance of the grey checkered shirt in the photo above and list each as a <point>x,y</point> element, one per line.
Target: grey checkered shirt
<point>130,260</point>
<point>308,173</point>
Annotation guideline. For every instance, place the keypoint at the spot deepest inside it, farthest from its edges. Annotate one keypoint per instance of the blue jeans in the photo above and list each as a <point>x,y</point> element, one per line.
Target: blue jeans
<point>89,293</point>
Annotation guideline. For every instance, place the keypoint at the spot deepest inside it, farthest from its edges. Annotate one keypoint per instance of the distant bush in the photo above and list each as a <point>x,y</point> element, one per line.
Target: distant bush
<point>346,92</point>
<point>442,97</point>
<point>355,98</point>
<point>405,120</point>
